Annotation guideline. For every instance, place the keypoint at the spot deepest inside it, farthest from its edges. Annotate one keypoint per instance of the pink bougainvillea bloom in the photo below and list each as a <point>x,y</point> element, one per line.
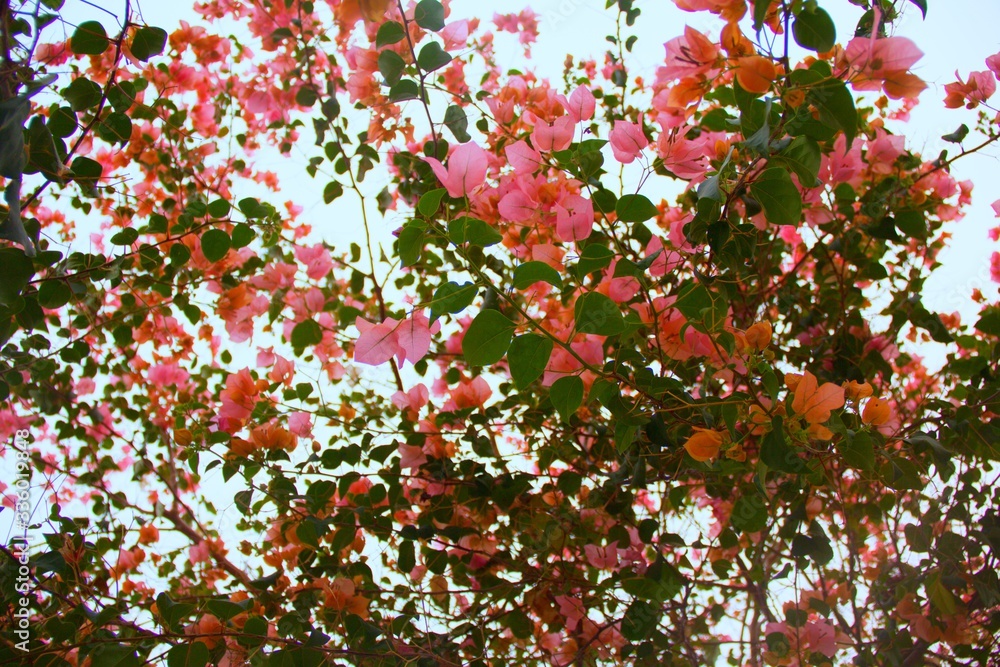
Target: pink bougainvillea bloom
<point>581,104</point>
<point>516,206</point>
<point>627,141</point>
<point>377,343</point>
<point>979,87</point>
<point>406,339</point>
<point>466,169</point>
<point>602,558</point>
<point>472,394</point>
<point>689,55</point>
<point>574,218</point>
<point>523,157</point>
<point>683,157</point>
<point>317,260</point>
<point>993,63</point>
<point>555,137</point>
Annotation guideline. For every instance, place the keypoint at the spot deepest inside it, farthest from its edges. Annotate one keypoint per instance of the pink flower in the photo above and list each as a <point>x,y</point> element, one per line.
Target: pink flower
<point>979,88</point>
<point>466,169</point>
<point>471,394</point>
<point>602,558</point>
<point>555,137</point>
<point>166,375</point>
<point>523,157</point>
<point>627,141</point>
<point>408,339</point>
<point>993,63</point>
<point>580,105</point>
<point>683,157</point>
<point>516,206</point>
<point>317,260</point>
<point>574,218</point>
<point>300,423</point>
<point>690,55</point>
<point>882,152</point>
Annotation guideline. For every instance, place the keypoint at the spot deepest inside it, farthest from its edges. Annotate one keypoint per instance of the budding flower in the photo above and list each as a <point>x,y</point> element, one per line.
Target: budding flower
<point>876,412</point>
<point>759,335</point>
<point>183,437</point>
<point>703,444</point>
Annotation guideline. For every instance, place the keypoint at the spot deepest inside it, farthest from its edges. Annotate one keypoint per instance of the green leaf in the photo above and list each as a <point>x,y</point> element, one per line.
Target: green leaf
<point>332,191</point>
<point>148,42</point>
<point>432,57</point>
<point>566,395</point>
<point>593,258</point>
<point>429,15</point>
<point>701,307</point>
<point>922,6</point>
<point>89,39</point>
<point>635,208</point>
<point>456,120</point>
<point>82,94</point>
<point>749,514</point>
<point>411,242</point>
<point>641,619</point>
<point>760,8</point>
<point>836,107</point>
<point>487,338</point>
<point>802,156</point>
<point>219,208</point>
<point>391,66</point>
<point>595,313</point>
<point>989,322</point>
<point>54,294</point>
<point>529,273</point>
<point>814,29</point>
<point>776,192</point>
<point>406,560</point>
<point>243,234</point>
<point>115,128</point>
<point>474,231</point>
<point>775,452</point>
<point>430,201</point>
<point>528,355</point>
<point>224,609</point>
<point>404,90</point>
<point>389,32</point>
<point>84,168</point>
<point>127,236</point>
<point>859,452</point>
<point>215,243</point>
<point>306,334</point>
<point>15,272</point>
<point>624,436</point>
<point>452,298</point>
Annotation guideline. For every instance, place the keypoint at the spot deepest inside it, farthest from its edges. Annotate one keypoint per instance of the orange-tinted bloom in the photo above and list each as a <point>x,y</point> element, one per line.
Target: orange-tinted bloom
<point>704,444</point>
<point>815,403</point>
<point>856,391</point>
<point>877,412</point>
<point>149,534</point>
<point>270,436</point>
<point>759,336</point>
<point>755,74</point>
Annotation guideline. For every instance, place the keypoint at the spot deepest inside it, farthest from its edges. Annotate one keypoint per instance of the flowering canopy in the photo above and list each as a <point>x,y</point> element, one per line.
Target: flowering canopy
<point>631,429</point>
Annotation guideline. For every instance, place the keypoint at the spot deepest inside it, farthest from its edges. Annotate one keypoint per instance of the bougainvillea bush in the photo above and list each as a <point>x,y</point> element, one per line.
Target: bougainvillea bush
<point>635,379</point>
